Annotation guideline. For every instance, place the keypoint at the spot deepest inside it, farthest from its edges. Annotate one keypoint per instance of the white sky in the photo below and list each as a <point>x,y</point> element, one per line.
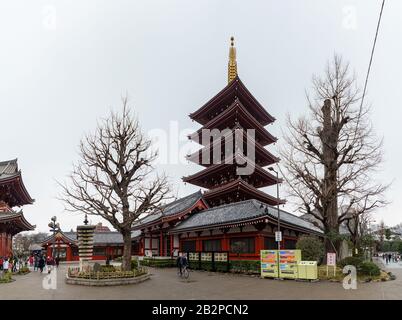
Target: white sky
<point>64,64</point>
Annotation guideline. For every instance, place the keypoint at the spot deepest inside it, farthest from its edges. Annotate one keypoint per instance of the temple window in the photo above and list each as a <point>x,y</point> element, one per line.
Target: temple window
<point>242,245</point>
<point>211,245</point>
<point>188,246</point>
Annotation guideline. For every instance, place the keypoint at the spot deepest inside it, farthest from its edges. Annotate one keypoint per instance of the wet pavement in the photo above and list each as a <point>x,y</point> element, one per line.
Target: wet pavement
<point>165,284</point>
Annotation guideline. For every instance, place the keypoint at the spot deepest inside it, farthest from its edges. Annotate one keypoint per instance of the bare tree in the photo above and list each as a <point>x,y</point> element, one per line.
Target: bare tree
<point>331,155</point>
<point>114,177</point>
<point>359,229</point>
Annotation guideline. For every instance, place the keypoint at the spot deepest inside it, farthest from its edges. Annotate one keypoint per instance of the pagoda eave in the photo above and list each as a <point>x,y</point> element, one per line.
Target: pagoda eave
<point>240,186</point>
<point>235,113</point>
<point>14,222</point>
<point>234,89</point>
<point>204,177</point>
<point>16,194</point>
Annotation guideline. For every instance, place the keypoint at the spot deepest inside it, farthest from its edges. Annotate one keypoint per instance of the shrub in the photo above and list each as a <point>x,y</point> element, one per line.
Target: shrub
<point>107,268</point>
<point>312,248</point>
<point>369,268</point>
<point>245,266</point>
<point>134,264</point>
<point>7,277</point>
<point>159,263</point>
<point>354,261</point>
<point>22,271</point>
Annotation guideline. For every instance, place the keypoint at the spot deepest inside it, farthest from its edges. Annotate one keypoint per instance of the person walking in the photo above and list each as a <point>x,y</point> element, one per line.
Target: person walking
<point>36,262</point>
<point>41,264</point>
<point>178,263</point>
<point>57,261</point>
<point>6,265</point>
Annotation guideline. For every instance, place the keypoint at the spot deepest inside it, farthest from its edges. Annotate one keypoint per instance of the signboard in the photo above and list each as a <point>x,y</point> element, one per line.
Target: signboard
<point>193,256</point>
<point>288,261</point>
<point>221,256</point>
<point>206,256</point>
<point>331,259</point>
<point>269,263</point>
<point>278,236</point>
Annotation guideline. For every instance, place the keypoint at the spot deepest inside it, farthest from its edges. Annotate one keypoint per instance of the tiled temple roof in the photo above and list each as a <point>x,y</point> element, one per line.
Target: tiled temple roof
<point>170,209</point>
<point>104,237</point>
<point>240,212</point>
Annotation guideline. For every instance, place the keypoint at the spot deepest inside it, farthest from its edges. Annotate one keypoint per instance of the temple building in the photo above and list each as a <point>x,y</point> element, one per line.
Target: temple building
<point>232,212</point>
<point>12,194</point>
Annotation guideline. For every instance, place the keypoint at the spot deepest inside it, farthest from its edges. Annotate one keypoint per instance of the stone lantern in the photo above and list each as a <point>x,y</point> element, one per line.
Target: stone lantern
<point>85,237</point>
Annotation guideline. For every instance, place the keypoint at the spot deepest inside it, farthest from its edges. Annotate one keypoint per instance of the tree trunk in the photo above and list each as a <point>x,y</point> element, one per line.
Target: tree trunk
<point>329,142</point>
<point>126,263</point>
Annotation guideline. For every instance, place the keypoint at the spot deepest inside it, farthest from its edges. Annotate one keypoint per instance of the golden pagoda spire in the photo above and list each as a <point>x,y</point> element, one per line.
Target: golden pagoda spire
<point>232,65</point>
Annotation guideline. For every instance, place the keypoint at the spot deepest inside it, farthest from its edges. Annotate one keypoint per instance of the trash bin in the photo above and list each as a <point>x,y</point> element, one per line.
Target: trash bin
<point>307,270</point>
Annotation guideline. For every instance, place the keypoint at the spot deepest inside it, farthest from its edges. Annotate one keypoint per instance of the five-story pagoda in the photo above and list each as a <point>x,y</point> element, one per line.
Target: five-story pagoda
<point>234,139</point>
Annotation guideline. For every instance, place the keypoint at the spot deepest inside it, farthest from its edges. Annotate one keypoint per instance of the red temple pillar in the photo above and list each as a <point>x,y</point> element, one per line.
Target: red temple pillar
<point>9,244</point>
<point>225,242</point>
<point>198,245</point>
<point>1,245</point>
<point>68,254</point>
<point>171,245</point>
<point>161,244</point>
<point>259,243</point>
<point>141,248</point>
<point>150,242</point>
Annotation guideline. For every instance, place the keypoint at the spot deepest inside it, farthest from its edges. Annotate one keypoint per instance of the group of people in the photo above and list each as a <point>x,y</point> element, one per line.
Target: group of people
<point>39,262</point>
<point>36,261</point>
<point>10,264</point>
<point>391,257</point>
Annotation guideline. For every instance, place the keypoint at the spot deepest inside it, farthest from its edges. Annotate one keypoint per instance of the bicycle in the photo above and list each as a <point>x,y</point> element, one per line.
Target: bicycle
<point>184,272</point>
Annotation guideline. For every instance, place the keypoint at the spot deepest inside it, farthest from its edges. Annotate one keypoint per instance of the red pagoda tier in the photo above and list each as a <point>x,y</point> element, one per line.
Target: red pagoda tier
<point>232,114</point>
<point>12,193</point>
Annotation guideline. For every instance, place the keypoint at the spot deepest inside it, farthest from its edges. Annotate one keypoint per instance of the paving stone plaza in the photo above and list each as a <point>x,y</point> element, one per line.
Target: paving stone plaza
<point>203,286</point>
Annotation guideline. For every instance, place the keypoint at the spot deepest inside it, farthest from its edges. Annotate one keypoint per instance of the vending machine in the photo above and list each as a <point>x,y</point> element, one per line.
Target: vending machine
<point>269,263</point>
<point>288,261</point>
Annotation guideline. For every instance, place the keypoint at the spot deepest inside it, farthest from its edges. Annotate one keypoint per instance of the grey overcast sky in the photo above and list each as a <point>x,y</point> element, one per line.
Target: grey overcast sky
<point>64,64</point>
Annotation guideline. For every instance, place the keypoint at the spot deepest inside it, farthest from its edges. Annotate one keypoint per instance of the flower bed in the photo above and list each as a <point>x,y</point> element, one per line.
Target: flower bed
<point>97,275</point>
<point>106,276</point>
<point>22,271</point>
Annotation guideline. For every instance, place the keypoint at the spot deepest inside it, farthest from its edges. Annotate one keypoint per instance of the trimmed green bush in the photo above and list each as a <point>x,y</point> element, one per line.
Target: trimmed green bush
<point>245,266</point>
<point>354,261</point>
<point>368,268</point>
<point>159,263</point>
<point>312,248</point>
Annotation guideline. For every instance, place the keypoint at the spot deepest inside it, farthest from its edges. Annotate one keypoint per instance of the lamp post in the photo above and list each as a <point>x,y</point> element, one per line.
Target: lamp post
<point>277,201</point>
<point>54,227</point>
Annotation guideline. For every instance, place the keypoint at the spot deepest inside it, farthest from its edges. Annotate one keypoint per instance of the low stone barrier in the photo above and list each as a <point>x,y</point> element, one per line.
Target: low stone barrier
<point>106,282</point>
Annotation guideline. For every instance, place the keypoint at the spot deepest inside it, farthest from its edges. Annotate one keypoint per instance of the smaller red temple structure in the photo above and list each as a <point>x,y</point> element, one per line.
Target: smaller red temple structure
<point>107,244</point>
<point>12,194</point>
